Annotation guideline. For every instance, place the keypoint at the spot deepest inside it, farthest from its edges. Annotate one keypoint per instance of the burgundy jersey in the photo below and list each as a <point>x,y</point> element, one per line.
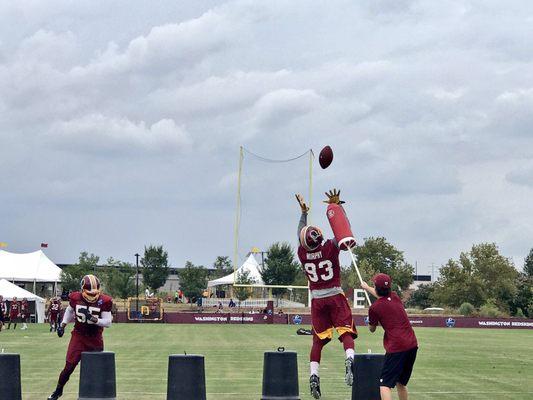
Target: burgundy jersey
<point>25,308</point>
<point>14,309</point>
<point>321,265</point>
<point>390,313</point>
<point>55,308</point>
<point>81,326</point>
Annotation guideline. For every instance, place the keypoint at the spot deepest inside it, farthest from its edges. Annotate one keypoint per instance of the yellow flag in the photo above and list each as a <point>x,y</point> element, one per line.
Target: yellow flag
<point>3,244</point>
<point>255,250</point>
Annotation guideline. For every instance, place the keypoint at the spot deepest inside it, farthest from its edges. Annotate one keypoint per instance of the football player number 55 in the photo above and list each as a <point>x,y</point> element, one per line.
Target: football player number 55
<point>325,271</point>
<point>81,316</point>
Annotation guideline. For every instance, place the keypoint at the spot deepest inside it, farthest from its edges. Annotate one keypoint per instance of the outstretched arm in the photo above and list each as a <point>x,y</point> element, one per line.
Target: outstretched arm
<point>303,218</point>
<point>369,289</point>
<point>302,224</point>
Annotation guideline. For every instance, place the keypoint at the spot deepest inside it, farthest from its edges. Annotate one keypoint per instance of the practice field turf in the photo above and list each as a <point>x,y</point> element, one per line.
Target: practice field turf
<point>452,363</point>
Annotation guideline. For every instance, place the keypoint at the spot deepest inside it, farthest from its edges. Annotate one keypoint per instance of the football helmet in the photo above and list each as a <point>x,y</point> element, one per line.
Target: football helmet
<point>90,288</point>
<point>311,237</point>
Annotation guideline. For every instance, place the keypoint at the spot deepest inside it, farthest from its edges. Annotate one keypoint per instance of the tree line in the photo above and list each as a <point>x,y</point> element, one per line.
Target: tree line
<point>480,279</point>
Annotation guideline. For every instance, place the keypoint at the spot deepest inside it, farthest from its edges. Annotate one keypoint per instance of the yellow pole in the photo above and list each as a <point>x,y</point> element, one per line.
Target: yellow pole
<point>237,216</point>
<point>311,158</point>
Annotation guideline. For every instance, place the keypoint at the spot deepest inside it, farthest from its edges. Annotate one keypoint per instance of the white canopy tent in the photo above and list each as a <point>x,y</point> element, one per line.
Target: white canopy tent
<point>251,265</point>
<point>9,290</point>
<point>28,267</point>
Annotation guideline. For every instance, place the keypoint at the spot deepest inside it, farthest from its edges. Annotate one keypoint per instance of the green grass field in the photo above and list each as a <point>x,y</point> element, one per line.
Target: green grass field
<point>452,363</point>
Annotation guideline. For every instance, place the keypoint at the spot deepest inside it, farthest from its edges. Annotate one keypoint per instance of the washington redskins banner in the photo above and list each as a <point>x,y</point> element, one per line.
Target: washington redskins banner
<point>360,320</point>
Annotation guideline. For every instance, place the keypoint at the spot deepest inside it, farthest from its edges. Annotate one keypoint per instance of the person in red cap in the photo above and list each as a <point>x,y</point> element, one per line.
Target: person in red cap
<point>399,339</point>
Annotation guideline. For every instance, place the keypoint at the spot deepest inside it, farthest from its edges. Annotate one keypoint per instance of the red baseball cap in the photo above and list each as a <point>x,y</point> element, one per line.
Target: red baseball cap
<point>382,281</point>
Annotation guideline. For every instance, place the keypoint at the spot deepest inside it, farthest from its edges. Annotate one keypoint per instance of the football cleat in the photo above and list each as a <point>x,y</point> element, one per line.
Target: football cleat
<point>57,394</point>
<point>348,378</point>
<point>314,385</point>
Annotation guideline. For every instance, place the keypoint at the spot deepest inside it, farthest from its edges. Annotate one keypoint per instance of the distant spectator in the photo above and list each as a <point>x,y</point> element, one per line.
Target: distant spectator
<point>176,297</point>
<point>14,313</point>
<point>24,313</point>
<point>169,298</point>
<point>147,293</point>
<point>231,303</point>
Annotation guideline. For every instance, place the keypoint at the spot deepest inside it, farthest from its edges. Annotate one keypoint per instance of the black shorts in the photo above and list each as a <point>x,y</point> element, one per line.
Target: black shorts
<point>397,368</point>
<point>2,318</point>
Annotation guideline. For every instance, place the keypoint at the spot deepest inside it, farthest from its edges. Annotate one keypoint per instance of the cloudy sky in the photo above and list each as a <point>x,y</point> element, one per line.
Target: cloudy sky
<point>120,123</point>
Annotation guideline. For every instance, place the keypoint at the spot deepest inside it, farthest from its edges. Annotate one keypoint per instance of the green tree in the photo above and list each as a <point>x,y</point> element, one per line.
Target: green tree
<point>376,255</point>
<point>480,275</point>
<point>528,264</point>
<point>222,266</point>
<point>119,279</point>
<point>243,278</point>
<point>193,280</point>
<point>421,297</point>
<point>155,268</point>
<point>280,266</point>
<point>458,285</point>
<point>497,273</point>
<point>71,275</point>
<point>522,303</point>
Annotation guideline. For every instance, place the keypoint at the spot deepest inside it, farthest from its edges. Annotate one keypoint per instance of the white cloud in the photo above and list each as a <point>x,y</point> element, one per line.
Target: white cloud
<point>427,110</point>
<point>283,105</point>
<point>96,132</point>
<point>521,176</point>
<point>166,47</point>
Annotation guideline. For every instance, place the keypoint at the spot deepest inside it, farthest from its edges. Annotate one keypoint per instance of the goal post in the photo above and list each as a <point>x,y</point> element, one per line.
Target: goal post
<point>243,155</point>
<point>145,309</point>
<point>270,287</point>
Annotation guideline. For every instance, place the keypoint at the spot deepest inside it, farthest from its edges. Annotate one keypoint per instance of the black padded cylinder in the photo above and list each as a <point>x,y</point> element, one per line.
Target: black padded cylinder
<point>280,376</point>
<point>367,370</point>
<point>10,377</point>
<point>97,376</point>
<point>186,377</point>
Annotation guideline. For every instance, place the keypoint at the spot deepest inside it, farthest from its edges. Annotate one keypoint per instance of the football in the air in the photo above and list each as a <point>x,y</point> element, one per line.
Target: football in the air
<point>326,157</point>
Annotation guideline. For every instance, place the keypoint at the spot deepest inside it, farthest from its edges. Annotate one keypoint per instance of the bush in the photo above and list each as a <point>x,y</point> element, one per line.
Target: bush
<point>466,309</point>
<point>519,313</point>
<point>490,310</point>
<point>421,298</point>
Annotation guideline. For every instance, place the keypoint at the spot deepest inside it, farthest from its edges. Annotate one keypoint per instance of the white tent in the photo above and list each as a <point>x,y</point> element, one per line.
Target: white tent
<point>9,290</point>
<point>249,265</point>
<point>28,267</point>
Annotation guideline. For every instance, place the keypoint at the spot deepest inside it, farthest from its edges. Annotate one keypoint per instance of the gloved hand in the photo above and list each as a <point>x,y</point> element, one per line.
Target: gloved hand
<point>88,315</point>
<point>333,197</point>
<point>60,331</point>
<point>303,206</point>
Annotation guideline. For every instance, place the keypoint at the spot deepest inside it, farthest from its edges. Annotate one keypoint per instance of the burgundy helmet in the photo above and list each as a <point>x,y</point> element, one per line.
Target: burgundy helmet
<point>90,288</point>
<point>311,237</point>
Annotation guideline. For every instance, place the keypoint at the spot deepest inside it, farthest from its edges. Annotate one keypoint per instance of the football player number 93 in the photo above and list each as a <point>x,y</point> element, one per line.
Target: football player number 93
<point>81,317</point>
<point>324,272</point>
